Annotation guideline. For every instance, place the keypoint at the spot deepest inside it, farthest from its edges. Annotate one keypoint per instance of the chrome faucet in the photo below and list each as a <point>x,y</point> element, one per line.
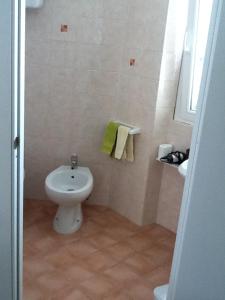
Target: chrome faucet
<point>74,161</point>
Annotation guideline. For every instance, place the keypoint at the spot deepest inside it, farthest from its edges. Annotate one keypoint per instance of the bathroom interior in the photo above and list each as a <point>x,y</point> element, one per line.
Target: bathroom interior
<point>89,63</point>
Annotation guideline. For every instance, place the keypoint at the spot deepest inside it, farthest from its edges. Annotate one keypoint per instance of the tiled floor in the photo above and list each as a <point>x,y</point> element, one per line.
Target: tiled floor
<point>108,258</point>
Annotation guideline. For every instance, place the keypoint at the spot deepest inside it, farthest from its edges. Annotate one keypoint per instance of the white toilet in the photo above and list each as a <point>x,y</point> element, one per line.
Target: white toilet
<point>68,188</point>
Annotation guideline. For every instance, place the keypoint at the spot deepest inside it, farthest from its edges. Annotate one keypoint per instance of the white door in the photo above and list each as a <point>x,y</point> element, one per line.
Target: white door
<point>11,147</point>
<point>198,270</point>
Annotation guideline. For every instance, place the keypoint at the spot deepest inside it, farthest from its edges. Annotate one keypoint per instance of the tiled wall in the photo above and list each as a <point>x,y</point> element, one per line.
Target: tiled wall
<point>176,133</point>
<point>76,81</point>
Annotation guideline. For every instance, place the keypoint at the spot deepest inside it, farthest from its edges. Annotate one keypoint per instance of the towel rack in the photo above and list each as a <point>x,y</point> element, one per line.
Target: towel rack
<point>133,129</point>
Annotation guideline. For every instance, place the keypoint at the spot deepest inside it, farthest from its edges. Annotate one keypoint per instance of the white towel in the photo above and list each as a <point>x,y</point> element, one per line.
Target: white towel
<point>128,153</point>
<point>122,135</point>
<point>130,148</point>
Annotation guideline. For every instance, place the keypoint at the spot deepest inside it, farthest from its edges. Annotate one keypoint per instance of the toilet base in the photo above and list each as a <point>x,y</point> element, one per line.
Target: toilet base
<point>68,219</point>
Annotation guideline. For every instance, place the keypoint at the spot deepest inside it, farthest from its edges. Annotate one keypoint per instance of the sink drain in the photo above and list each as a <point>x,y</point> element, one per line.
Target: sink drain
<point>70,190</point>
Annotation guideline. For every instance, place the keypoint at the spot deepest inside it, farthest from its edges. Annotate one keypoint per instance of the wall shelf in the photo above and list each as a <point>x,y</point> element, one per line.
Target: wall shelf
<point>164,163</point>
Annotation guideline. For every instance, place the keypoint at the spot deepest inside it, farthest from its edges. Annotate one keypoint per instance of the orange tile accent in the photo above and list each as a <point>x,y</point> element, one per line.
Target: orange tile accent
<point>64,28</point>
<point>132,62</point>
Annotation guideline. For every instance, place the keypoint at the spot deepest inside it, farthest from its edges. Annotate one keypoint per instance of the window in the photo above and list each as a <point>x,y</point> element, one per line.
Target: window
<point>196,36</point>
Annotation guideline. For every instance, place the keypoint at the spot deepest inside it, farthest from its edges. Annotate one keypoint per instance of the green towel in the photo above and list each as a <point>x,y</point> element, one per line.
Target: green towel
<point>109,138</point>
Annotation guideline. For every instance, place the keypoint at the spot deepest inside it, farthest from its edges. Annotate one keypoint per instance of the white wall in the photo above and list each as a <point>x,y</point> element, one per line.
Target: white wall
<point>199,265</point>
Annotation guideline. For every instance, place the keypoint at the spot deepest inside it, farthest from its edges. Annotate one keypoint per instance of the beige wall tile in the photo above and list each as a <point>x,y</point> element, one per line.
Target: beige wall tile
<point>78,80</point>
<point>170,198</point>
<point>116,9</point>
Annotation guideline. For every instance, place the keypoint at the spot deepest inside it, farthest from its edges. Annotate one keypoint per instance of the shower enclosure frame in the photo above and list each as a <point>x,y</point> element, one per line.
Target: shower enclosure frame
<point>12,41</point>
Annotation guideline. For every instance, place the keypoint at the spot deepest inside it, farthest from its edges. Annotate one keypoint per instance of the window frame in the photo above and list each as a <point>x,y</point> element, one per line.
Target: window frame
<point>183,113</point>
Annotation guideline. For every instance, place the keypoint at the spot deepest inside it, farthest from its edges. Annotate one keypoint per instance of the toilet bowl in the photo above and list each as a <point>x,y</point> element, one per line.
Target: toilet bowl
<point>68,188</point>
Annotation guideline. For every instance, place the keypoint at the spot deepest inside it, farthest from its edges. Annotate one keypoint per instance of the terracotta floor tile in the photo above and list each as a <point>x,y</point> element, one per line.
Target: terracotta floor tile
<point>157,232</point>
<point>70,293</point>
<point>120,251</point>
<point>140,291</point>
<point>95,213</point>
<point>36,266</point>
<point>45,244</point>
<point>108,258</point>
<point>131,226</point>
<point>29,251</point>
<point>46,228</point>
<point>94,208</point>
<point>118,233</point>
<point>158,276</point>
<point>122,295</point>
<point>99,218</point>
<point>116,219</point>
<point>32,234</point>
<point>101,241</point>
<point>109,218</point>
<point>121,275</point>
<point>140,242</point>
<point>51,209</point>
<point>89,228</point>
<point>100,261</point>
<point>77,273</point>
<point>63,239</point>
<point>81,248</point>
<point>76,295</point>
<point>140,263</point>
<point>158,255</point>
<point>168,243</point>
<point>60,258</point>
<point>97,287</point>
<point>34,217</point>
<point>32,292</point>
<point>52,282</point>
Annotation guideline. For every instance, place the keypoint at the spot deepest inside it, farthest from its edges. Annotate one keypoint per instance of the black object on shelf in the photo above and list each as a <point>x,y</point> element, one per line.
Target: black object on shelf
<point>176,158</point>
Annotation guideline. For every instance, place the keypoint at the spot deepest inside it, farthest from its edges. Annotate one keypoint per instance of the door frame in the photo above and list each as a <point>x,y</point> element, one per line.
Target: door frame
<point>12,45</point>
<point>12,30</point>
<point>19,88</point>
